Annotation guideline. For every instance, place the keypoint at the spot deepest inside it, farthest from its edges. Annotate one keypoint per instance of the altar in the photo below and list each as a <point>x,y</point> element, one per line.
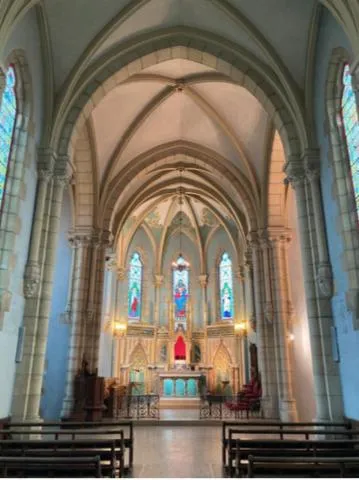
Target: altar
<point>180,389</point>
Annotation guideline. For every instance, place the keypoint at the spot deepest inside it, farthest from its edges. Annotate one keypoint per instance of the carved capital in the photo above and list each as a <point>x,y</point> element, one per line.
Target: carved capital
<point>121,274</point>
<point>295,172</point>
<point>241,273</point>
<point>324,280</point>
<point>46,159</point>
<point>311,160</point>
<point>31,279</point>
<point>203,280</point>
<point>253,241</point>
<point>158,280</point>
<point>111,262</point>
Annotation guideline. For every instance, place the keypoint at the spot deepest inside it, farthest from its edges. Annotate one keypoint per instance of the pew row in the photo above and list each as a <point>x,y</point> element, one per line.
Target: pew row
<point>110,452</point>
<point>126,426</point>
<point>290,449</point>
<point>274,428</point>
<point>302,467</point>
<point>43,467</point>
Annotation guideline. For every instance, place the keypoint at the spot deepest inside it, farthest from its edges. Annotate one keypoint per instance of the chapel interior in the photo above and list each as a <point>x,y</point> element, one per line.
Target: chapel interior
<point>179,190</point>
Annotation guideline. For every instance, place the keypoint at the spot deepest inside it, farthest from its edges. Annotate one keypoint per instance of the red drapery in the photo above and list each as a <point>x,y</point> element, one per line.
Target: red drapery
<point>180,349</point>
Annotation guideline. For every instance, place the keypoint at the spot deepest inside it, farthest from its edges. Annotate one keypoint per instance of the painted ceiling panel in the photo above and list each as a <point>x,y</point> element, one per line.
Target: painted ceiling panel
<point>115,113</point>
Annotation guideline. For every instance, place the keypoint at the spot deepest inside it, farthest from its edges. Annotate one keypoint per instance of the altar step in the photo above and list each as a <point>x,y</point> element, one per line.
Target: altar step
<point>180,403</point>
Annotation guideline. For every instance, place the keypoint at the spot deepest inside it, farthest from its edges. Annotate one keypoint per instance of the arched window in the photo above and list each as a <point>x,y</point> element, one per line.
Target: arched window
<point>226,287</point>
<point>180,288</point>
<point>135,287</point>
<point>8,111</point>
<point>351,128</point>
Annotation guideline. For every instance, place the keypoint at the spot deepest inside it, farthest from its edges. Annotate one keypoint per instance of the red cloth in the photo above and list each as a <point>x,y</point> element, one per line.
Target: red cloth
<point>180,349</point>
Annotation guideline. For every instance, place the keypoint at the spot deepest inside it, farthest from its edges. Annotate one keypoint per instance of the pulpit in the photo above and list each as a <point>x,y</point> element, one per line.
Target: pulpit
<point>94,398</point>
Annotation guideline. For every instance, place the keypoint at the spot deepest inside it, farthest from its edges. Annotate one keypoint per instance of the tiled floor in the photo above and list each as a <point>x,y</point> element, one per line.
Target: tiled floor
<point>177,451</point>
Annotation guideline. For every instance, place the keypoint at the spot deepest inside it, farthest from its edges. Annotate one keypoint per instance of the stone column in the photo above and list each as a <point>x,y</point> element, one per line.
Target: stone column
<point>264,363</point>
<point>158,282</point>
<point>203,281</point>
<point>60,181</point>
<point>296,176</point>
<point>288,410</point>
<point>242,319</point>
<point>32,280</point>
<point>80,242</point>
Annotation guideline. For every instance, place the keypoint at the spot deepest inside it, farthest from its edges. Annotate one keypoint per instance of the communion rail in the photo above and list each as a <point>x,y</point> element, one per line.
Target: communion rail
<point>221,407</point>
<point>137,406</point>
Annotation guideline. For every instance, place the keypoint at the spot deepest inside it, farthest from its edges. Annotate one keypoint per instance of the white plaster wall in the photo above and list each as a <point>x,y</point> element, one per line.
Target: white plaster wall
<point>24,37</point>
<point>300,346</point>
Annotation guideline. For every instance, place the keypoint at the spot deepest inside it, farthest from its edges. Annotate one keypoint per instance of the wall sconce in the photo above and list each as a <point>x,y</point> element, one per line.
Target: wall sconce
<point>240,328</point>
<point>119,329</point>
<point>291,337</point>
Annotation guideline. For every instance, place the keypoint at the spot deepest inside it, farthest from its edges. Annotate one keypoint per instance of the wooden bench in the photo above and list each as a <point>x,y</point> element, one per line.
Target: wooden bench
<point>126,426</point>
<point>302,466</point>
<point>50,467</point>
<point>252,427</point>
<point>289,448</point>
<point>110,451</point>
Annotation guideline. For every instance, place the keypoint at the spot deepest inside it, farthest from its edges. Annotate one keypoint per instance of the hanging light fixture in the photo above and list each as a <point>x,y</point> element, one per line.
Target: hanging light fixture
<point>180,264</point>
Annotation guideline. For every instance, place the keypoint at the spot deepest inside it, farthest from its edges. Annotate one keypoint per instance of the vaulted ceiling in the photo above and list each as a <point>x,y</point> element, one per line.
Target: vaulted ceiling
<point>180,121</point>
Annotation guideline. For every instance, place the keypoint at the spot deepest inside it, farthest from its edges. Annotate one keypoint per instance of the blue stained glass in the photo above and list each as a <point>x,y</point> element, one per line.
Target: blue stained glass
<point>226,287</point>
<point>180,290</point>
<point>135,287</point>
<point>8,112</point>
<point>351,128</point>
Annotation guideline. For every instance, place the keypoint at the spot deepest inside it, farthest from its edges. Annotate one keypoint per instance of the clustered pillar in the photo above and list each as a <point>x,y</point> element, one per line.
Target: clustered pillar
<point>54,174</point>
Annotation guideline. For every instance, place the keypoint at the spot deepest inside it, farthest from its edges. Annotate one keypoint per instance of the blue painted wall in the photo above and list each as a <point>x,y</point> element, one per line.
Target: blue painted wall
<point>332,36</point>
<point>58,337</point>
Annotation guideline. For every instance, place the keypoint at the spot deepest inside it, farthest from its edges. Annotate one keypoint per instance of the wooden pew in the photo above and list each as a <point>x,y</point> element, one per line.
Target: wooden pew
<point>276,448</point>
<point>281,434</point>
<point>251,427</point>
<point>126,425</point>
<point>303,466</point>
<point>110,451</point>
<point>35,467</point>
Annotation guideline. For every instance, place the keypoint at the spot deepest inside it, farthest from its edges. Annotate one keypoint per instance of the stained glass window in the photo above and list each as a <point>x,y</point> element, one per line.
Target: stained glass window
<point>180,288</point>
<point>226,287</point>
<point>351,128</point>
<point>8,111</point>
<point>135,287</point>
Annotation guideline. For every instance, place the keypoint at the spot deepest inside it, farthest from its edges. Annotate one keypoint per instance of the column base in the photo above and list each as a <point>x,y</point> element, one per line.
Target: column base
<point>288,411</point>
<point>269,408</point>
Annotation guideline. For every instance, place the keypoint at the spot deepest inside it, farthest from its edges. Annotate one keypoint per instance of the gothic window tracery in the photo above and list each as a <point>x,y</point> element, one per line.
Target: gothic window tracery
<point>8,112</point>
<point>135,287</point>
<point>351,129</point>
<point>226,287</point>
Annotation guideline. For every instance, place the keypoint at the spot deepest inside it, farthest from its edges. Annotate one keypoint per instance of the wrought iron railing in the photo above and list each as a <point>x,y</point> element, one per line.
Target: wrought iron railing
<point>137,406</point>
<point>221,407</point>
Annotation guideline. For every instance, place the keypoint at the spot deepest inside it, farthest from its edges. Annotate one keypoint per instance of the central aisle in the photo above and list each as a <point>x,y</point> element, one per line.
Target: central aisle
<point>177,451</point>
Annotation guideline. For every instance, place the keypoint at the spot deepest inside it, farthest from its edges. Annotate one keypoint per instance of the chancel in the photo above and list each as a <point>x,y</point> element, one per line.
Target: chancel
<point>179,198</point>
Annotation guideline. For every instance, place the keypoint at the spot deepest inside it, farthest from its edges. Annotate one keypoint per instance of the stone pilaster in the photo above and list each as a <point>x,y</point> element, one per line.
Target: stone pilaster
<point>80,242</point>
<point>203,281</point>
<point>296,175</point>
<point>158,282</point>
<point>32,283</point>
<point>287,406</point>
<point>266,368</point>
